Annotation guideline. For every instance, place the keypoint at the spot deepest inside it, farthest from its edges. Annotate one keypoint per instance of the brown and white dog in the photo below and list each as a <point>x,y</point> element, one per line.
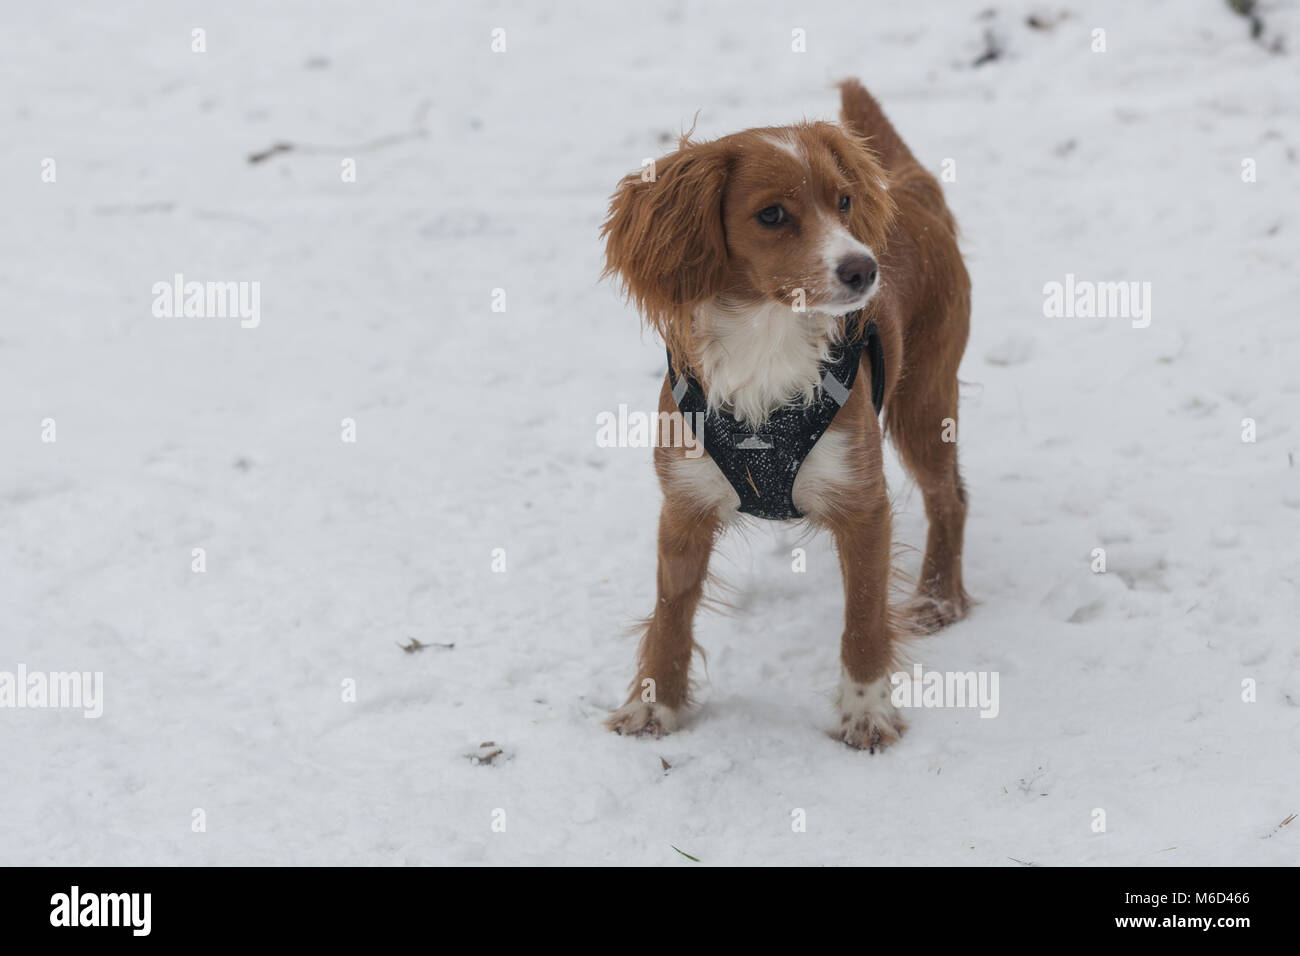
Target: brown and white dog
<point>719,252</point>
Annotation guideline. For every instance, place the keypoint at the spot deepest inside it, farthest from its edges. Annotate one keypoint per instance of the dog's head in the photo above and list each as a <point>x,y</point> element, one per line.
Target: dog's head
<point>794,215</point>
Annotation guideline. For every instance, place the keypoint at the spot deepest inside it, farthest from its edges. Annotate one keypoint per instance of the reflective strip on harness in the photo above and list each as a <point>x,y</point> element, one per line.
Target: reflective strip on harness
<point>835,389</point>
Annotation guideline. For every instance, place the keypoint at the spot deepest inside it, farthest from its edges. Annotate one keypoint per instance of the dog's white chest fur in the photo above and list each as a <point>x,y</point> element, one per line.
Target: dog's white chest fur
<point>756,359</point>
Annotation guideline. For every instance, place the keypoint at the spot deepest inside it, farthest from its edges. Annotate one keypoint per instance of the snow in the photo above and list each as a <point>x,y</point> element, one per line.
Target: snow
<point>476,430</point>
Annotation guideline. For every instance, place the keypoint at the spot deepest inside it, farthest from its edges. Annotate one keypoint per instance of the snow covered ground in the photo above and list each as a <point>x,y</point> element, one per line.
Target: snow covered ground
<point>475,431</point>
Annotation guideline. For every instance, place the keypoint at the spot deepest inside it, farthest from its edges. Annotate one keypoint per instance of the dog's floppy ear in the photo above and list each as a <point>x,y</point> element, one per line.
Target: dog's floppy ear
<point>873,209</point>
<point>664,237</point>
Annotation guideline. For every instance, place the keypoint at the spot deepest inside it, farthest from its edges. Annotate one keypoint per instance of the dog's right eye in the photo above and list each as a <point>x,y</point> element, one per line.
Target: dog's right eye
<point>772,216</point>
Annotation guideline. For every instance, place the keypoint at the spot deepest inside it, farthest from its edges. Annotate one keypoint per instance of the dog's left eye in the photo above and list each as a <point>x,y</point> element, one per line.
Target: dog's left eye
<point>772,216</point>
<point>845,203</point>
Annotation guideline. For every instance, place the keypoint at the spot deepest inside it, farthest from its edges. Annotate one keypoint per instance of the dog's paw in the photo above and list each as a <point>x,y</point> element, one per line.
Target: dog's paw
<point>868,719</point>
<point>927,614</point>
<point>638,717</point>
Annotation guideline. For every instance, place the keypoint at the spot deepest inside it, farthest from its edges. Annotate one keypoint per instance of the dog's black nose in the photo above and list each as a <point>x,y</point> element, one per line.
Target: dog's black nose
<point>857,272</point>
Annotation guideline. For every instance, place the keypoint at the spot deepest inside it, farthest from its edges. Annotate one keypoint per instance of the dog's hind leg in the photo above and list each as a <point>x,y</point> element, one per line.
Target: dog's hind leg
<point>922,422</point>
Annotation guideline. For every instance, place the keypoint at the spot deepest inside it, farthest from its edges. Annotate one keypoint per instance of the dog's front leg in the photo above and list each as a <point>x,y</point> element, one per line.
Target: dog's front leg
<point>867,716</point>
<point>662,686</point>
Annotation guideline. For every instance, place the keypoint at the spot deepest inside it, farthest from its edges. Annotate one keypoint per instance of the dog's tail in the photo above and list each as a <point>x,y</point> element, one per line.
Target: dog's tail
<point>861,113</point>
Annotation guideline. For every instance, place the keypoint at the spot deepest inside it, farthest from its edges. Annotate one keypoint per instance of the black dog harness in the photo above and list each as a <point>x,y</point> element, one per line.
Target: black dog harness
<point>761,463</point>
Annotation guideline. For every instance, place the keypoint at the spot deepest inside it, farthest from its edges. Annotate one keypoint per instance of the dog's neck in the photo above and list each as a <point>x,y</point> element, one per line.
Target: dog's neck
<point>756,358</point>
